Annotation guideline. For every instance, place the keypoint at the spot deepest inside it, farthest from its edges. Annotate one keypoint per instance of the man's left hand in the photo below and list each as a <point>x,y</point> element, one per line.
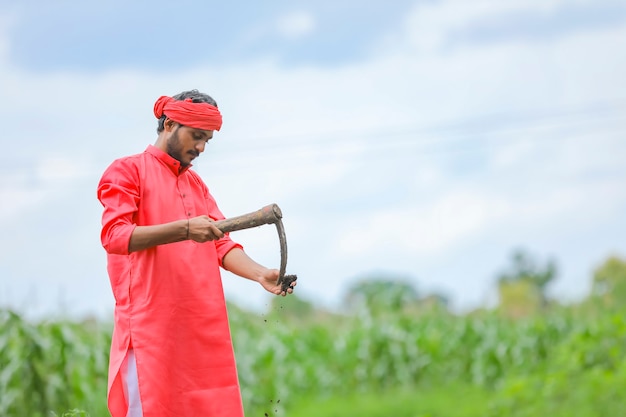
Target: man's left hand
<point>269,281</point>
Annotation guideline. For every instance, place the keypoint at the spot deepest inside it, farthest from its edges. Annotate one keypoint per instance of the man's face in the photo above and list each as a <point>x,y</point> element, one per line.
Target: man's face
<point>186,143</point>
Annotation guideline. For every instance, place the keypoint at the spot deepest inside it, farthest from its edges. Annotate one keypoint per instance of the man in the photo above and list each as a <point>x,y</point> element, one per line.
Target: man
<point>171,353</point>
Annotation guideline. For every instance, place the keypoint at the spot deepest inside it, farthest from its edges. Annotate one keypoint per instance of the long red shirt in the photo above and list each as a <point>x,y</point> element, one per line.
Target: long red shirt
<point>169,301</point>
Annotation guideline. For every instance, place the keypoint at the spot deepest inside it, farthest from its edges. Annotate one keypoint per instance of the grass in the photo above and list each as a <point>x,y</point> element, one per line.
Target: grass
<point>461,400</point>
<point>73,413</point>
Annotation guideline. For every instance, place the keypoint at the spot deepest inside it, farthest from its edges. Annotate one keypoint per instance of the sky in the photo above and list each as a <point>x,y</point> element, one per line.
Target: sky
<point>423,140</point>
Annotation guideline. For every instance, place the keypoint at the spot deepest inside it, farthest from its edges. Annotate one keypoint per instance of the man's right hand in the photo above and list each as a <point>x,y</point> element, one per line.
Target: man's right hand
<point>202,229</point>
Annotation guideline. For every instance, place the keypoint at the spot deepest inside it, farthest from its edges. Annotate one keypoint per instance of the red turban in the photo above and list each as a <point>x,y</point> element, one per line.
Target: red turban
<point>197,115</point>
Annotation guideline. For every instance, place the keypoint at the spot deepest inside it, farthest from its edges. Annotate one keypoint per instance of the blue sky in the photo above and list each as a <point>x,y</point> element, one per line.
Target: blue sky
<point>105,35</point>
<point>119,34</point>
<point>424,139</point>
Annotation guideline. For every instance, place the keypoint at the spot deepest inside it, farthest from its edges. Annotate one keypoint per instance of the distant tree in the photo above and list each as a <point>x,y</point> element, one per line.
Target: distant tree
<point>519,298</point>
<point>609,281</point>
<point>522,286</point>
<point>525,268</point>
<point>434,302</point>
<point>379,293</point>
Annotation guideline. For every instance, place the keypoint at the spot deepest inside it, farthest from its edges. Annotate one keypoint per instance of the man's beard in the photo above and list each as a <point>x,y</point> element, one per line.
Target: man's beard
<point>175,148</point>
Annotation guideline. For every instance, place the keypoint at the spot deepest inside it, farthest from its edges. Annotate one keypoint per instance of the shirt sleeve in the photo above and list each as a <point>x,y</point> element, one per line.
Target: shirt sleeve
<point>223,246</point>
<point>118,192</point>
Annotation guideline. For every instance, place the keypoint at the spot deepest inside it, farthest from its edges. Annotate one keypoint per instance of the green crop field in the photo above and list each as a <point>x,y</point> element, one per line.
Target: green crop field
<point>390,353</point>
<point>567,361</point>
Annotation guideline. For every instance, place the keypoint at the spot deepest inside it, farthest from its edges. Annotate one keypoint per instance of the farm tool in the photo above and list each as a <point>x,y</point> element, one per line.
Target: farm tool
<point>269,214</point>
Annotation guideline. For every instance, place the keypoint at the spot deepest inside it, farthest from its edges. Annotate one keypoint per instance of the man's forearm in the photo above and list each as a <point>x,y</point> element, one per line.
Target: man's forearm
<point>239,263</point>
<point>144,237</point>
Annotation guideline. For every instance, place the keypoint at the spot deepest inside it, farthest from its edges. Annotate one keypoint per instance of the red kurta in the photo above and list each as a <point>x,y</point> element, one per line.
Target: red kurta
<point>169,301</point>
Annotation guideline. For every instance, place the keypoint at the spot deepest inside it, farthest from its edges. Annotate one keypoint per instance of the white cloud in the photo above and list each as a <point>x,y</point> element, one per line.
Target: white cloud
<point>17,200</point>
<point>57,168</point>
<point>419,229</point>
<point>52,178</point>
<point>431,24</point>
<point>296,24</point>
<point>7,21</point>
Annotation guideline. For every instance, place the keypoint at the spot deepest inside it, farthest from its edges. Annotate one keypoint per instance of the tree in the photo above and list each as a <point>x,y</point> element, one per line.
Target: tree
<point>524,268</point>
<point>379,293</point>
<point>522,286</point>
<point>609,281</point>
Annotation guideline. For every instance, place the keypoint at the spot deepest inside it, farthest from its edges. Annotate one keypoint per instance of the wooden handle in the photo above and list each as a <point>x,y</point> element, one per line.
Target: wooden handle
<point>270,214</point>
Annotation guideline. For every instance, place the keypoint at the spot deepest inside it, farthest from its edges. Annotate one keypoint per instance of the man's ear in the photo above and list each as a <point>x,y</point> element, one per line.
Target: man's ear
<point>169,124</point>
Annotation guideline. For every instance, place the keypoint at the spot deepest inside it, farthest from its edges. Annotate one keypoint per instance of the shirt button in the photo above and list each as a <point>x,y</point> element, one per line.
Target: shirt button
<point>188,213</point>
<point>184,195</point>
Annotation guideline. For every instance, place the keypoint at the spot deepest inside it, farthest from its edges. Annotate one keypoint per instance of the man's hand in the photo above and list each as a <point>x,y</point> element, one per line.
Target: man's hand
<point>202,229</point>
<point>237,262</point>
<point>269,281</point>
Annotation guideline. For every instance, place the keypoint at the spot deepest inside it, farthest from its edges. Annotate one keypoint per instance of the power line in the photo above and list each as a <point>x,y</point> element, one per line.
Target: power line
<point>587,124</point>
<point>481,124</point>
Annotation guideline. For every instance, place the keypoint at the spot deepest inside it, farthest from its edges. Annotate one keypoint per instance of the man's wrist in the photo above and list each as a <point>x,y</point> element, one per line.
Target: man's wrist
<point>183,230</point>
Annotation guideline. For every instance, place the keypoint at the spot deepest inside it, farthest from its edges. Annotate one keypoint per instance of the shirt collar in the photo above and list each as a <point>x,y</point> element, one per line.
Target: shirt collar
<point>165,158</point>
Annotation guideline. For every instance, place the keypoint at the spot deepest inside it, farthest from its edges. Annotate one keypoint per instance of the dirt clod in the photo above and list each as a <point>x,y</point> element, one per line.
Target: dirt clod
<point>286,282</point>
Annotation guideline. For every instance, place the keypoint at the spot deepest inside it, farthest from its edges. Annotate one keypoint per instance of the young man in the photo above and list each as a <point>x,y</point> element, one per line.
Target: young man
<point>171,353</point>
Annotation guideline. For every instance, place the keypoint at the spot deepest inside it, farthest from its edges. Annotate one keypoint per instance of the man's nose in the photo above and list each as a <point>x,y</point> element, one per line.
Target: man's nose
<point>200,146</point>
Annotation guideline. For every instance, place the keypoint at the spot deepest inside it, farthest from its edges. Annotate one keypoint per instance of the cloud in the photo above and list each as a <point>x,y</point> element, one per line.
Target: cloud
<point>433,26</point>
<point>419,229</point>
<point>57,168</point>
<point>296,24</point>
<point>18,200</point>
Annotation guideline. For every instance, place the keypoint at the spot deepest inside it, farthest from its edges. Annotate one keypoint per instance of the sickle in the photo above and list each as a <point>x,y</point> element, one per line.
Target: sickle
<point>269,214</point>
